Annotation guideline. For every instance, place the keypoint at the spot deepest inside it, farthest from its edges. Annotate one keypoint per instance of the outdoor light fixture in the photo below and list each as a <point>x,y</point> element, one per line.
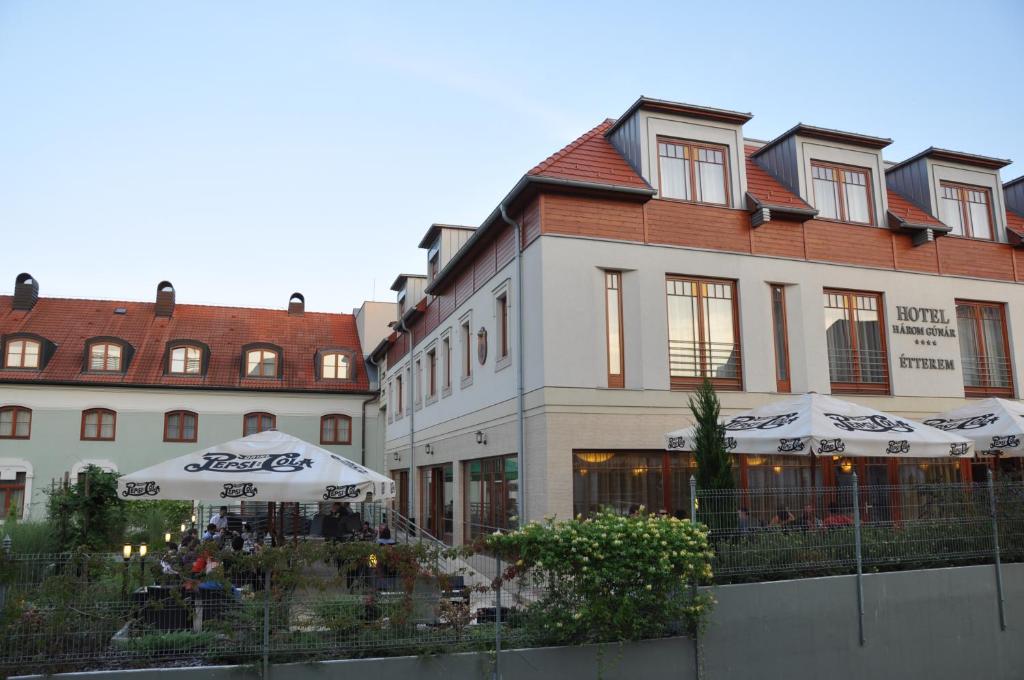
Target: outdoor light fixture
<point>182,527</point>
<point>142,550</point>
<point>398,456</point>
<point>167,537</point>
<point>429,450</point>
<point>777,469</point>
<point>846,465</point>
<point>372,561</point>
<point>481,438</point>
<point>595,458</point>
<point>127,551</point>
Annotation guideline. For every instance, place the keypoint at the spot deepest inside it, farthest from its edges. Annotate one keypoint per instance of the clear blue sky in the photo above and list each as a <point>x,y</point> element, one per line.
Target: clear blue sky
<point>245,150</point>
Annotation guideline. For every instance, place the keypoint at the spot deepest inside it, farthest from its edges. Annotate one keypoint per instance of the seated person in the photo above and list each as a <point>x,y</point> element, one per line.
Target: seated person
<point>211,532</point>
<point>384,532</point>
<point>782,518</point>
<point>808,520</point>
<point>340,510</point>
<point>835,518</point>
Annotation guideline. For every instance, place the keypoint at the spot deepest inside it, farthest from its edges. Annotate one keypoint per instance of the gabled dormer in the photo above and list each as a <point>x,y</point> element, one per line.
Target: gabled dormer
<point>685,152</point>
<point>409,289</point>
<point>840,174</point>
<point>441,242</point>
<point>963,190</point>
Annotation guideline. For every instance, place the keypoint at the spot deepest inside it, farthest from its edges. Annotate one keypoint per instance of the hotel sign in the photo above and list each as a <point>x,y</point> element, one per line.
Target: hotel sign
<point>926,325</point>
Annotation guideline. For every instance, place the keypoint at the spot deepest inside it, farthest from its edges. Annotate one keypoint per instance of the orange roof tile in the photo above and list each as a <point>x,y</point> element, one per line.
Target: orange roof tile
<point>765,188</point>
<point>591,158</point>
<point>225,330</point>
<point>907,211</point>
<point>1015,222</point>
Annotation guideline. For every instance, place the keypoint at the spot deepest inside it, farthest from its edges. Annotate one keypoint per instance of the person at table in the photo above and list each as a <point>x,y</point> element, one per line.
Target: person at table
<point>783,518</point>
<point>743,520</point>
<point>384,531</point>
<point>367,533</point>
<point>211,532</point>
<point>340,510</point>
<point>836,518</point>
<point>220,520</point>
<point>808,518</point>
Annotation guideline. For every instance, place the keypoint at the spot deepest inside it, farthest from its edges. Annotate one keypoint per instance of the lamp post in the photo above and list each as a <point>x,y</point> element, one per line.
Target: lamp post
<point>142,562</point>
<point>167,537</point>
<point>127,553</point>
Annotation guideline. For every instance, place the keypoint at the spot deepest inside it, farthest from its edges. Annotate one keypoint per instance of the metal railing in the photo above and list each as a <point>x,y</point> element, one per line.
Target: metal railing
<point>688,358</point>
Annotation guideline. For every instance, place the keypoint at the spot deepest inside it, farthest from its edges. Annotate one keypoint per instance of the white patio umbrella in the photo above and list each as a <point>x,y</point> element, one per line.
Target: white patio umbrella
<point>996,426</point>
<point>816,424</point>
<point>268,466</point>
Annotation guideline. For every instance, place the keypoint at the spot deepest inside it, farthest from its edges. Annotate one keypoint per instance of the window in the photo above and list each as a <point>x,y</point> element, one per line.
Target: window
<point>105,357</point>
<point>624,480</point>
<point>467,352</point>
<point>431,374</point>
<point>261,363</point>
<point>23,354</point>
<point>418,387</point>
<point>336,429</point>
<point>503,325</point>
<point>181,426</point>
<point>984,351</point>
<point>258,422</point>
<point>966,209</point>
<point>842,193</point>
<point>857,357</point>
<point>781,338</point>
<point>492,493</point>
<point>446,351</point>
<point>12,496</point>
<point>334,366</point>
<point>703,333</point>
<point>15,422</point>
<point>98,424</point>
<point>437,489</point>
<point>692,172</point>
<point>613,327</point>
<point>433,264</point>
<point>399,402</point>
<point>186,360</point>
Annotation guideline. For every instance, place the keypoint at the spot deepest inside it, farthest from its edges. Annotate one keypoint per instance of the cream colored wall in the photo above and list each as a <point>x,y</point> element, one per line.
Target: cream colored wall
<point>845,154</point>
<point>940,171</point>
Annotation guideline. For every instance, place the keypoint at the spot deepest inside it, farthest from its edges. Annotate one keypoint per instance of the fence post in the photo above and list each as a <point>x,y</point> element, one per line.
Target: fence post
<point>266,624</point>
<point>497,621</point>
<point>697,660</point>
<point>860,563</point>
<point>995,550</point>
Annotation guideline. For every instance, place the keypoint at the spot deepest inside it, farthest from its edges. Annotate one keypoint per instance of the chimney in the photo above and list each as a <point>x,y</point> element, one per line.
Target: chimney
<point>164,299</point>
<point>26,292</point>
<point>296,304</point>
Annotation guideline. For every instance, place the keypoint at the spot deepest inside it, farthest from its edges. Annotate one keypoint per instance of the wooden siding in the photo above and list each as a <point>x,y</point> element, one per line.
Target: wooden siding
<point>598,217</point>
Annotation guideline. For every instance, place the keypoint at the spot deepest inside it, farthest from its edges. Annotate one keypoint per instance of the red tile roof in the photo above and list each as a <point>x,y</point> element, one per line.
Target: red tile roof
<point>591,158</point>
<point>225,330</point>
<point>765,188</point>
<point>1015,222</point>
<point>907,211</point>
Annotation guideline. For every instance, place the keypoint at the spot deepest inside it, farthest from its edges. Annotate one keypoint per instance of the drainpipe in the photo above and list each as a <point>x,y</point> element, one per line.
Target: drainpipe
<point>521,435</point>
<point>362,419</point>
<point>412,419</point>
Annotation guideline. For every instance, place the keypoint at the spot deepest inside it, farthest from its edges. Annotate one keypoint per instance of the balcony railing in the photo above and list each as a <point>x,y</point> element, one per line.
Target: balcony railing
<point>689,362</point>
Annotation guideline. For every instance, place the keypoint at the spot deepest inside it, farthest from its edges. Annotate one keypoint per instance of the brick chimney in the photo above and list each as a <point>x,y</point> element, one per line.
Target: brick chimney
<point>26,292</point>
<point>164,299</point>
<point>296,304</point>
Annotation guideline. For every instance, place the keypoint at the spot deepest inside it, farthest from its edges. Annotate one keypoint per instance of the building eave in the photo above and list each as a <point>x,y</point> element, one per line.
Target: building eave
<point>960,157</point>
<point>435,230</point>
<point>828,135</point>
<point>681,109</point>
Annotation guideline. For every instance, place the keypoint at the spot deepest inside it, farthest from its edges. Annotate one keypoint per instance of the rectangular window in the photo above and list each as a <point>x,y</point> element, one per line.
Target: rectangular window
<point>502,313</point>
<point>418,387</point>
<point>613,328</point>
<point>842,193</point>
<point>625,480</point>
<point>431,374</point>
<point>15,422</point>
<point>437,494</point>
<point>446,349</point>
<point>492,495</point>
<point>984,351</point>
<point>692,172</point>
<point>180,426</point>
<point>98,424</point>
<point>703,333</point>
<point>399,402</point>
<point>22,354</point>
<point>12,497</point>
<point>258,422</point>
<point>467,352</point>
<point>966,209</point>
<point>857,357</point>
<point>780,335</point>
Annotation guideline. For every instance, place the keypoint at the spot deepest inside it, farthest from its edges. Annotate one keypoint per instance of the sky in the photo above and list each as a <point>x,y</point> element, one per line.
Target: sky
<point>244,150</point>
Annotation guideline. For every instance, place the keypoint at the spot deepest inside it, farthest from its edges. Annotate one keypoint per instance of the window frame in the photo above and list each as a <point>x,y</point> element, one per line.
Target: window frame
<point>615,381</point>
<point>843,213</point>
<point>987,390</point>
<point>446,358</point>
<point>399,389</point>
<point>691,161</point>
<point>21,482</point>
<point>862,387</point>
<point>15,409</point>
<point>122,363</point>
<point>336,418</point>
<point>466,336</point>
<point>186,373</point>
<point>182,413</point>
<point>431,374</point>
<point>100,413</point>
<point>25,339</point>
<point>349,358</point>
<point>962,190</point>
<point>260,415</point>
<point>782,385</point>
<point>688,383</point>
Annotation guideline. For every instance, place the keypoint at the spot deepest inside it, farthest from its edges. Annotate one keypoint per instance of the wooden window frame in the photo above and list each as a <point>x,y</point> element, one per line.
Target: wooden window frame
<point>842,169</point>
<point>337,418</point>
<point>466,338</point>
<point>782,385</point>
<point>689,383</point>
<point>692,146</point>
<point>988,391</point>
<point>488,477</point>
<point>7,489</point>
<point>15,410</point>
<point>181,426</point>
<point>340,353</point>
<point>965,211</point>
<point>106,344</point>
<point>399,388</point>
<point>502,311</point>
<point>263,351</point>
<point>260,415</point>
<point>446,382</point>
<point>431,373</point>
<point>861,387</point>
<point>25,341</point>
<point>100,413</point>
<point>615,381</point>
<point>185,373</point>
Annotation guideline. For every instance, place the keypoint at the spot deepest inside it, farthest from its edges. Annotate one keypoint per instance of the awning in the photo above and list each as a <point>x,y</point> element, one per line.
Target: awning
<point>996,426</point>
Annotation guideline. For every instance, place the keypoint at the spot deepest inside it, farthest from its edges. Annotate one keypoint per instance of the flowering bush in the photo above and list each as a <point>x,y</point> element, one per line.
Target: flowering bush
<point>609,577</point>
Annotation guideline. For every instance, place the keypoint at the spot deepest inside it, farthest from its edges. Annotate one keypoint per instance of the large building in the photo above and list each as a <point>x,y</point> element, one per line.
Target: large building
<point>123,385</point>
<point>547,351</point>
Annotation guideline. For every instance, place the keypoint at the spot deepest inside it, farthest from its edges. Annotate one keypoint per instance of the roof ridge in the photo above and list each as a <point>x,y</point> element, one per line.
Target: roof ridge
<point>113,301</point>
<point>571,146</point>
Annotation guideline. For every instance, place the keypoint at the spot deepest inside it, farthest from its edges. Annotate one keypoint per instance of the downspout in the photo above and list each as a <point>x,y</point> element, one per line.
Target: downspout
<point>412,421</point>
<point>362,416</point>
<point>521,435</point>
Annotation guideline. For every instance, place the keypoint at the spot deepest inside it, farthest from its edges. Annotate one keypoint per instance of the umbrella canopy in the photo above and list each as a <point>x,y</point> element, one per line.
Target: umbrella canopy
<point>268,466</point>
<point>819,424</point>
<point>996,426</point>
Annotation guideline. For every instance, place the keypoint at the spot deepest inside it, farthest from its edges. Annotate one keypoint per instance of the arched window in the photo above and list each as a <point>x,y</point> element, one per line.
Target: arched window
<point>181,426</point>
<point>258,422</point>
<point>23,353</point>
<point>15,422</point>
<point>336,428</point>
<point>335,366</point>
<point>185,360</point>
<point>98,424</point>
<point>106,356</point>
<point>261,363</point>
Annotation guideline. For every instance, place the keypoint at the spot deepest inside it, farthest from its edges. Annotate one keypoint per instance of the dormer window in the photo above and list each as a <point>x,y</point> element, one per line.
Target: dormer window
<point>23,354</point>
<point>966,209</point>
<point>842,193</point>
<point>335,366</point>
<point>186,360</point>
<point>689,171</point>
<point>261,363</point>
<point>106,357</point>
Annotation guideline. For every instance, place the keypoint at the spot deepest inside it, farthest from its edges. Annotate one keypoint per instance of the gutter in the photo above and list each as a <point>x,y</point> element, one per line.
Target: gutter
<point>520,381</point>
<point>412,422</point>
<point>362,415</point>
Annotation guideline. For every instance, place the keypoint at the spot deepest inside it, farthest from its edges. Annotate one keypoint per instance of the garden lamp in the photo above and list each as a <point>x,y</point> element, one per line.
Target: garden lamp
<point>167,537</point>
<point>182,527</point>
<point>142,562</point>
<point>143,550</point>
<point>127,551</point>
